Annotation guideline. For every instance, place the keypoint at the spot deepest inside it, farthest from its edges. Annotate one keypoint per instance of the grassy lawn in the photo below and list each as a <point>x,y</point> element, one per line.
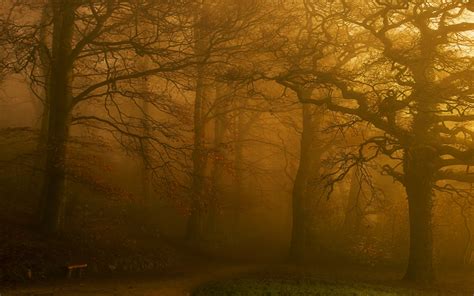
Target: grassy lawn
<point>290,287</point>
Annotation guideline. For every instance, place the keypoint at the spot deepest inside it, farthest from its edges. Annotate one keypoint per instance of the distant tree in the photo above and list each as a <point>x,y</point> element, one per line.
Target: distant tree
<point>221,40</point>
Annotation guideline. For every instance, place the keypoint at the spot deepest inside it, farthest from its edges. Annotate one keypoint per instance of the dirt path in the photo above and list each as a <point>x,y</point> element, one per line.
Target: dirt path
<point>180,284</point>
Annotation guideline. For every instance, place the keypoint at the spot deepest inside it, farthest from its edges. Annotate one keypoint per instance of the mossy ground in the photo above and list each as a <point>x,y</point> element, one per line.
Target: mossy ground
<point>299,287</point>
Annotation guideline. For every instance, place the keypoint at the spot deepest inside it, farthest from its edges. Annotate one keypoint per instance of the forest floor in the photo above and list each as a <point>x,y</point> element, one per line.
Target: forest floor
<point>222,280</point>
<point>180,282</point>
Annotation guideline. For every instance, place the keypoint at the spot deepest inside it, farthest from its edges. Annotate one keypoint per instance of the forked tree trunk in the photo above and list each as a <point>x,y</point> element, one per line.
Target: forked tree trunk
<point>419,185</point>
<point>58,118</point>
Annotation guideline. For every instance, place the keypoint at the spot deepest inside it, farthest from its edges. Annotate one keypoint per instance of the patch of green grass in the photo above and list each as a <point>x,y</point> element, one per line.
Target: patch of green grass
<point>296,287</point>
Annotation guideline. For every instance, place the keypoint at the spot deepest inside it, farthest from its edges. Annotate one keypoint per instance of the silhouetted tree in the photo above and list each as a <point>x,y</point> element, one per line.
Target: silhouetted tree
<point>91,56</point>
<point>407,74</point>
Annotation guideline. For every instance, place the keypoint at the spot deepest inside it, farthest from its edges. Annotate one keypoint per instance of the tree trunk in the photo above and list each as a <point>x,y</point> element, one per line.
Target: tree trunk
<point>43,108</point>
<point>42,111</point>
<point>195,227</point>
<point>144,94</point>
<point>418,170</point>
<point>464,209</point>
<point>239,167</point>
<point>353,215</point>
<point>146,169</point>
<point>58,118</point>
<point>466,259</point>
<point>299,238</point>
<point>196,223</point>
<point>220,128</point>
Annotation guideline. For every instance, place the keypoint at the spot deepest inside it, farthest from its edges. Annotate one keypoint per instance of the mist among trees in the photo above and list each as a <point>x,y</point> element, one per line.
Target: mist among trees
<point>288,145</point>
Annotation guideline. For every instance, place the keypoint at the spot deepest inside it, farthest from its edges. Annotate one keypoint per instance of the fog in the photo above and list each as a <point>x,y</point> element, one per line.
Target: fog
<point>294,143</point>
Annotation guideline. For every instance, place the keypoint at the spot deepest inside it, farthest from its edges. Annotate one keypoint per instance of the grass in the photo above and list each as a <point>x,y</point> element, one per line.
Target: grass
<point>297,287</point>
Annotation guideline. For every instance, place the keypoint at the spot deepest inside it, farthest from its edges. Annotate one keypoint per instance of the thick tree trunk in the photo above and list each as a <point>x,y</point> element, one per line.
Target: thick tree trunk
<point>300,233</point>
<point>58,118</point>
<point>419,185</point>
<point>52,218</point>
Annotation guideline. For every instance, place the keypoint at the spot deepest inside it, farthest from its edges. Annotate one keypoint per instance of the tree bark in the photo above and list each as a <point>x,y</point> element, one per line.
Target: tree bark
<point>42,109</point>
<point>299,237</point>
<point>195,227</point>
<point>59,81</point>
<point>196,223</point>
<point>419,184</point>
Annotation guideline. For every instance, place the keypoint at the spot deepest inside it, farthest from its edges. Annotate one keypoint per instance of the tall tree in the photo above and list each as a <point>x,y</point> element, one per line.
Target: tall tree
<point>418,93</point>
<point>60,98</point>
<point>220,40</point>
<point>300,202</point>
<point>91,53</point>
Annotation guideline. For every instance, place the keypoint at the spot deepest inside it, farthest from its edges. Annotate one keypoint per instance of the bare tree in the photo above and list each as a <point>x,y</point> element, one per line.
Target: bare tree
<point>220,40</point>
<point>406,74</point>
<point>91,52</point>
